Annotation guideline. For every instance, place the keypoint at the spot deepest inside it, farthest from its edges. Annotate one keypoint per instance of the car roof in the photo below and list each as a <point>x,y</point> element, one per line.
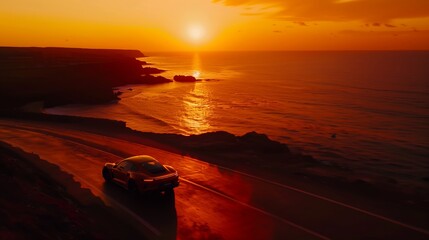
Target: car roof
<point>140,159</point>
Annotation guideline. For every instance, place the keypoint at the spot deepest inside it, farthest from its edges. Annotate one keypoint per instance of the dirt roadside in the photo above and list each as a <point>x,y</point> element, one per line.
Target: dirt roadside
<point>35,205</point>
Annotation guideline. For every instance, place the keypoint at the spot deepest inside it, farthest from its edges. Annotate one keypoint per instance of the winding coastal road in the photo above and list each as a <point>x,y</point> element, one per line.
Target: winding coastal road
<point>212,202</point>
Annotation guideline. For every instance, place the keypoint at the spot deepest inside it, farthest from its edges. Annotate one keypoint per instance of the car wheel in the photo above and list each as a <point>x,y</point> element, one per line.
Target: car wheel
<point>107,175</point>
<point>132,187</point>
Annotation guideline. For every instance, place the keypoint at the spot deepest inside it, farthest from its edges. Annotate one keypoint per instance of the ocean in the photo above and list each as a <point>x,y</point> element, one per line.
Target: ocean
<point>365,111</point>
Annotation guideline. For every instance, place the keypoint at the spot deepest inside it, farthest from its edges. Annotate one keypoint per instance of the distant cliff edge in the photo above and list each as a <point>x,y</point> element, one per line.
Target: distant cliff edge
<point>58,76</point>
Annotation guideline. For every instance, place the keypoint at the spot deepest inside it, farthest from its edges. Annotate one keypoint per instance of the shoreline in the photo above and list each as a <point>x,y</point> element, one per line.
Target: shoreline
<point>251,153</point>
<point>75,66</point>
<point>342,168</point>
<point>59,76</point>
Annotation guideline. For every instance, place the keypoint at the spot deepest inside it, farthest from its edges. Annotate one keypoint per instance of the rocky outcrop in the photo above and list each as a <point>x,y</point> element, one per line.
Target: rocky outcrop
<point>182,78</point>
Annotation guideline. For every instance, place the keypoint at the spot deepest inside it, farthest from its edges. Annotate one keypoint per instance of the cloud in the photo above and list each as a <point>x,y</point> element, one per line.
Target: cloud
<point>389,25</point>
<point>384,33</point>
<point>301,23</point>
<point>339,10</point>
<point>377,24</point>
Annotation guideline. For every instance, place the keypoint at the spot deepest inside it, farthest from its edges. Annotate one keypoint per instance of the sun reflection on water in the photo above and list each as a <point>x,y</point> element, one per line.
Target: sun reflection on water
<point>196,65</point>
<point>196,104</point>
<point>196,110</point>
<point>196,74</point>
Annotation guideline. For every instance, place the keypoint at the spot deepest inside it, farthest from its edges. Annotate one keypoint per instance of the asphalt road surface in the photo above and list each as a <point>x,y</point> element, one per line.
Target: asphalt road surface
<point>212,202</point>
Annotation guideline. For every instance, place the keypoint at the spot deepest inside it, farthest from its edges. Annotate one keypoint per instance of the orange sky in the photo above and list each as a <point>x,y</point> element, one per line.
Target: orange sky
<point>217,25</point>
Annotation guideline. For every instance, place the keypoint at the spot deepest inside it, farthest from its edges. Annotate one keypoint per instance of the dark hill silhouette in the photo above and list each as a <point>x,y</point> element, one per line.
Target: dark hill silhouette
<point>68,75</point>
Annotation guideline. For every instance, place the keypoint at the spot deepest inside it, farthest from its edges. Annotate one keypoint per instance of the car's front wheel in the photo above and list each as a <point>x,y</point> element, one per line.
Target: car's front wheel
<point>107,175</point>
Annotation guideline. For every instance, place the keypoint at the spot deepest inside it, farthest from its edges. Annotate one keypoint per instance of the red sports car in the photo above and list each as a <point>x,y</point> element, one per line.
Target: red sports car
<point>141,174</point>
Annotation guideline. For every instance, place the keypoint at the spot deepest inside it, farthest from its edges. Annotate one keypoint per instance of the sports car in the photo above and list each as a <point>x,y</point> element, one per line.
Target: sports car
<point>141,173</point>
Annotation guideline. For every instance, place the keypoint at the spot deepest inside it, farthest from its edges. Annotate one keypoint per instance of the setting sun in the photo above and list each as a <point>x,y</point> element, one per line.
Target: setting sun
<point>220,25</point>
<point>196,33</point>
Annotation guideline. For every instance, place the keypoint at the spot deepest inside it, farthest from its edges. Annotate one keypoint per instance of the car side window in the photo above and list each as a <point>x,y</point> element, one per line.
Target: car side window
<point>122,165</point>
<point>132,166</point>
<point>126,166</point>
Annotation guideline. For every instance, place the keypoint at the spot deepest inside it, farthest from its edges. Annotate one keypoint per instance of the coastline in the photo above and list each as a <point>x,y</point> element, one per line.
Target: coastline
<point>59,76</point>
<point>251,153</point>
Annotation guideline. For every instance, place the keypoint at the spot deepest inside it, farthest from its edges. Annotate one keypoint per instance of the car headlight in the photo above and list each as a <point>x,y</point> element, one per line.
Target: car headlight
<point>148,180</point>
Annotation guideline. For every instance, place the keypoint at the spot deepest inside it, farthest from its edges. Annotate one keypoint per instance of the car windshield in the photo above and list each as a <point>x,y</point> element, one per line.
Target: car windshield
<point>153,167</point>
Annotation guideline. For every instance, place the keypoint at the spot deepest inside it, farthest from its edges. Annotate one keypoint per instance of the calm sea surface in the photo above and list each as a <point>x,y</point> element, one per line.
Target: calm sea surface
<point>375,103</point>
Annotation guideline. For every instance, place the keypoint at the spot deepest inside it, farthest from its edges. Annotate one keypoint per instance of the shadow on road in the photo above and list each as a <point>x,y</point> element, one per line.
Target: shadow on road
<point>157,209</point>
